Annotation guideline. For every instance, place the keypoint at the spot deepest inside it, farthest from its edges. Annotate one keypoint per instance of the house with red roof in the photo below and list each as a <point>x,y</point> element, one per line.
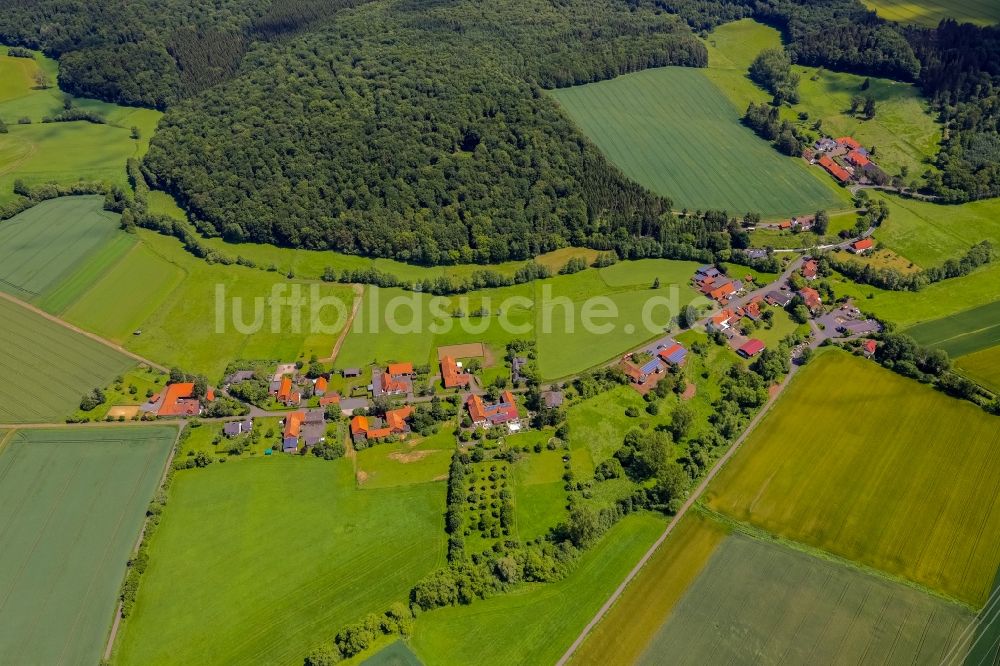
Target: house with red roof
<point>673,354</point>
<point>869,348</point>
<point>862,246</point>
<point>811,298</point>
<point>452,373</point>
<point>810,269</point>
<point>372,428</point>
<point>848,142</point>
<point>176,400</point>
<point>785,224</point>
<point>397,379</point>
<point>333,399</point>
<point>858,159</point>
<point>751,348</point>
<point>492,414</point>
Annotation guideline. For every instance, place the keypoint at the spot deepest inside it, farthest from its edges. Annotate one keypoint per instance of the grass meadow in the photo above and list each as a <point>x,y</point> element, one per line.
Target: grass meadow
<point>414,460</point>
<point>535,623</point>
<point>963,333</point>
<point>928,233</point>
<point>46,368</point>
<point>539,492</point>
<point>672,130</point>
<point>258,560</point>
<point>762,602</point>
<point>929,13</point>
<point>72,503</point>
<point>623,634</point>
<point>982,367</point>
<point>903,130</point>
<point>847,461</point>
<point>50,252</point>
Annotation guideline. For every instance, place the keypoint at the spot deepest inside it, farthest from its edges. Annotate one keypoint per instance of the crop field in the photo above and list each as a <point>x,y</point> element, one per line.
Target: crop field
<point>259,560</point>
<point>672,130</point>
<point>963,333</point>
<point>623,634</point>
<point>50,252</point>
<point>930,12</point>
<point>903,129</point>
<point>46,368</point>
<point>535,623</point>
<point>928,233</point>
<point>762,602</point>
<point>856,468</point>
<point>982,367</point>
<point>72,503</point>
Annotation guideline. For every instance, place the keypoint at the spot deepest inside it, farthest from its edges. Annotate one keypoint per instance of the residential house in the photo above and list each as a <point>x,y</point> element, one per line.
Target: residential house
<point>287,393</point>
<point>722,320</point>
<point>320,386</point>
<point>292,431</point>
<point>722,292</point>
<point>778,298</point>
<point>751,348</point>
<point>372,428</point>
<point>869,348</point>
<point>452,373</point>
<point>332,399</point>
<point>785,225</point>
<point>552,399</point>
<point>313,429</point>
<point>752,310</point>
<point>236,428</point>
<point>862,246</point>
<point>492,414</point>
<point>237,377</point>
<point>517,364</point>
<point>674,354</point>
<point>810,269</point>
<point>176,400</point>
<point>811,298</point>
<point>396,380</point>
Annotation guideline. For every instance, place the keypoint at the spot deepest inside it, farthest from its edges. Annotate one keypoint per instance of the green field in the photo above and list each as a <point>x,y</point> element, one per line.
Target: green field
<point>72,503</point>
<point>928,233</point>
<point>396,654</point>
<point>623,634</point>
<point>51,252</point>
<point>847,461</point>
<point>415,460</point>
<point>46,368</point>
<point>534,624</point>
<point>963,333</point>
<point>931,12</point>
<point>761,602</point>
<point>259,560</point>
<point>672,130</point>
<point>903,130</point>
<point>982,366</point>
<point>540,497</point>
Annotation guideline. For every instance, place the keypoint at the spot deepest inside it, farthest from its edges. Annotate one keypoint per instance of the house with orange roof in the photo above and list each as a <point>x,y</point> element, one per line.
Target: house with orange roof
<point>862,246</point>
<point>177,400</point>
<point>723,320</point>
<point>785,224</point>
<point>810,269</point>
<point>292,431</point>
<point>452,373</point>
<point>811,298</point>
<point>752,310</point>
<point>722,292</point>
<point>386,383</point>
<point>333,399</point>
<point>848,142</point>
<point>372,428</point>
<point>320,386</point>
<point>400,369</point>
<point>835,170</point>
<point>858,159</point>
<point>486,415</point>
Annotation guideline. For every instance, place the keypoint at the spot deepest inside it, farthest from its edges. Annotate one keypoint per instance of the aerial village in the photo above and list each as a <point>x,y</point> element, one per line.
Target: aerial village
<point>846,160</point>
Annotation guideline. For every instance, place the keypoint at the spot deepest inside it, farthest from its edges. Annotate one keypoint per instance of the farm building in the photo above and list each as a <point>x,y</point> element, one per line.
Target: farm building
<point>492,414</point>
<point>848,142</point>
<point>313,427</point>
<point>778,298</point>
<point>835,170</point>
<point>755,253</point>
<point>396,380</point>
<point>858,159</point>
<point>452,373</point>
<point>674,354</point>
<point>811,298</point>
<point>236,428</point>
<point>175,400</point>
<point>861,327</point>
<point>706,271</point>
<point>862,246</point>
<point>751,348</point>
<point>372,428</point>
<point>350,373</point>
<point>292,431</point>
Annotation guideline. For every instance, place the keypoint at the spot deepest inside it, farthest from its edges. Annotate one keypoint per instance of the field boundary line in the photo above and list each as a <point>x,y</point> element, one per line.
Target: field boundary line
<point>77,329</point>
<point>359,296</point>
<point>688,503</point>
<point>116,623</point>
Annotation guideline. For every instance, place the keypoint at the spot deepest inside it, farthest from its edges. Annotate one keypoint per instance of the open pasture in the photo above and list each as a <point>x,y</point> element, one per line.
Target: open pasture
<point>963,333</point>
<point>849,461</point>
<point>762,602</point>
<point>672,130</point>
<point>52,251</point>
<point>539,493</point>
<point>72,503</point>
<point>630,625</point>
<point>405,463</point>
<point>535,623</point>
<point>931,12</point>
<point>929,233</point>
<point>46,368</point>
<point>982,367</point>
<point>258,560</point>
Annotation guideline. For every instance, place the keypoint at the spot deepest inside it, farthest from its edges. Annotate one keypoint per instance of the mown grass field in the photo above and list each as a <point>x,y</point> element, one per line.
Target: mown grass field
<point>982,366</point>
<point>50,252</point>
<point>46,368</point>
<point>762,602</point>
<point>963,333</point>
<point>540,496</point>
<point>848,461</point>
<point>72,503</point>
<point>672,130</point>
<point>903,129</point>
<point>623,634</point>
<point>257,561</point>
<point>415,460</point>
<point>534,624</point>
<point>929,233</point>
<point>931,12</point>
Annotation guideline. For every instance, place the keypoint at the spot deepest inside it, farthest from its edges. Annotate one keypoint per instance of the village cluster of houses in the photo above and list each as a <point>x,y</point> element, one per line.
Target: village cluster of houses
<point>846,160</point>
<point>712,282</point>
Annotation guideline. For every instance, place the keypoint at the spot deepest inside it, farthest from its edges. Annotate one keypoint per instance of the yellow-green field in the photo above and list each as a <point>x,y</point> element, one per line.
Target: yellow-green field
<point>982,367</point>
<point>931,12</point>
<point>868,465</point>
<point>623,634</point>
